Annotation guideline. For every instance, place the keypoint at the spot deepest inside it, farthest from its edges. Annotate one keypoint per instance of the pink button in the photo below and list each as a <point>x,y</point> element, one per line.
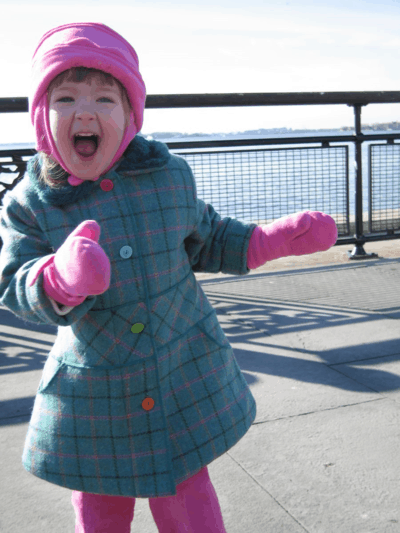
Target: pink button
<point>107,185</point>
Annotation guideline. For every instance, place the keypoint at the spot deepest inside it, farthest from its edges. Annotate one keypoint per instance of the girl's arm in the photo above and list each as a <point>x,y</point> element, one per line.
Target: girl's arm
<point>24,249</point>
<point>215,244</point>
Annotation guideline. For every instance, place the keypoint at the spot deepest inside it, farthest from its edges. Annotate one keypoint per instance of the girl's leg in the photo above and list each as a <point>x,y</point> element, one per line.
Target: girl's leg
<point>194,509</point>
<point>102,514</point>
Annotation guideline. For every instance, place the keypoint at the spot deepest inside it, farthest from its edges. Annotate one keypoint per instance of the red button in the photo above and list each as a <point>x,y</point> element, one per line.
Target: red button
<point>148,404</point>
<point>107,185</point>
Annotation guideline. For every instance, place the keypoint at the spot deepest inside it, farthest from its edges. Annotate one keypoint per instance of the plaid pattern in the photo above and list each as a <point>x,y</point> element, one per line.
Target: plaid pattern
<point>89,430</point>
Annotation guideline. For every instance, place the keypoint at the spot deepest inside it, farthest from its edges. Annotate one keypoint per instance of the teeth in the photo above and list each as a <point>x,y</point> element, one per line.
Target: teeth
<point>85,134</point>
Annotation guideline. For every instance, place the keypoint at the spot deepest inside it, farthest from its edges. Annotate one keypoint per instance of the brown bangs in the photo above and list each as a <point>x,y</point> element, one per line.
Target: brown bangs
<point>87,75</point>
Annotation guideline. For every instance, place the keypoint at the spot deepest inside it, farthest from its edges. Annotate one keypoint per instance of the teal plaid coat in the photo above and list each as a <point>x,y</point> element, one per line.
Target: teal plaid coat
<point>141,388</point>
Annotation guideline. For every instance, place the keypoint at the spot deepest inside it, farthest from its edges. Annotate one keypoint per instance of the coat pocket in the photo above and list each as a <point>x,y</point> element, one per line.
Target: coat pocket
<point>51,368</point>
<point>212,329</point>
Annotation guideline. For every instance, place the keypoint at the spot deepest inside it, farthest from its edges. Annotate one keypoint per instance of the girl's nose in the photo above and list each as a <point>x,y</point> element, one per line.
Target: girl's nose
<point>85,107</point>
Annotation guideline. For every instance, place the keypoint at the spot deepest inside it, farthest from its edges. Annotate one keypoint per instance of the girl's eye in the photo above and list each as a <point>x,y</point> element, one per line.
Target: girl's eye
<point>69,98</point>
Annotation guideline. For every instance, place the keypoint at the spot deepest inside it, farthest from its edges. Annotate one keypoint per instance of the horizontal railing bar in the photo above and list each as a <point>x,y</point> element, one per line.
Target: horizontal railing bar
<point>18,151</point>
<point>254,142</point>
<point>369,237</point>
<point>271,99</point>
<point>160,101</point>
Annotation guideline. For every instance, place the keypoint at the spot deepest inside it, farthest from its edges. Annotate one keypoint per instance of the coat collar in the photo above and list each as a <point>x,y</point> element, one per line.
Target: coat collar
<point>140,155</point>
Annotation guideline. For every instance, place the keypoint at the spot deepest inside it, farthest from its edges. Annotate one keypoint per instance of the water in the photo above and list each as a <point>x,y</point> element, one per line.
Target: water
<point>246,200</point>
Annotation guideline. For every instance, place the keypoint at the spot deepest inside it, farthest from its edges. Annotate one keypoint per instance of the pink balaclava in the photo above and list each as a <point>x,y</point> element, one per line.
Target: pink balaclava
<point>91,45</point>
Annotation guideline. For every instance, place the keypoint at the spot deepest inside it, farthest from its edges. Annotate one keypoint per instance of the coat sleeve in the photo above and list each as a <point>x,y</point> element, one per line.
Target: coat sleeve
<point>24,247</point>
<point>216,244</point>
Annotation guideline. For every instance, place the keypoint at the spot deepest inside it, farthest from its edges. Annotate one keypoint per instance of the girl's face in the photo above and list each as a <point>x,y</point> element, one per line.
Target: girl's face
<point>82,107</point>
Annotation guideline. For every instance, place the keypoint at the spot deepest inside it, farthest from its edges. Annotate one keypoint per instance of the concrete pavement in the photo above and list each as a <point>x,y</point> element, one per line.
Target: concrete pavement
<point>320,349</point>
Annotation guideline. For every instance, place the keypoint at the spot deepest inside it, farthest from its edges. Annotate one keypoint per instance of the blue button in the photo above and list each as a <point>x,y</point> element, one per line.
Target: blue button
<point>126,252</point>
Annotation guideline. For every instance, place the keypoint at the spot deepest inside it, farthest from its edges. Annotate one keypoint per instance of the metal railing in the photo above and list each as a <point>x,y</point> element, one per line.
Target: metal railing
<point>260,180</point>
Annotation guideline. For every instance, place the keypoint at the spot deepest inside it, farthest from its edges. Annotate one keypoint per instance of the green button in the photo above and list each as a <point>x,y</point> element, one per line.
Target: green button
<point>137,328</point>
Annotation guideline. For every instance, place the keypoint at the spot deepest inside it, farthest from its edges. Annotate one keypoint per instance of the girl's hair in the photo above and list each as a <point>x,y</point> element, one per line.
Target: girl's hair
<point>51,172</point>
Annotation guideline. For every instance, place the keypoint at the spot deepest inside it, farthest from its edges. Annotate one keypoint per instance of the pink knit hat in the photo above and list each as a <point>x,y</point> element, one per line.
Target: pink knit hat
<point>91,45</point>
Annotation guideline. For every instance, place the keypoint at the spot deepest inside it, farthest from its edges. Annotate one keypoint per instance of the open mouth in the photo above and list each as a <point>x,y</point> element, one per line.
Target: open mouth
<point>86,146</point>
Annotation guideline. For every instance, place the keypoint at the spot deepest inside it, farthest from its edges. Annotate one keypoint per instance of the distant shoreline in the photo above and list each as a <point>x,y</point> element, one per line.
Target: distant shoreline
<point>386,126</point>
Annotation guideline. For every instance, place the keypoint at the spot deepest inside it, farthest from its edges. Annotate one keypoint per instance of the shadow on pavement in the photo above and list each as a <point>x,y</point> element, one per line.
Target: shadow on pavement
<point>24,346</point>
<point>258,331</point>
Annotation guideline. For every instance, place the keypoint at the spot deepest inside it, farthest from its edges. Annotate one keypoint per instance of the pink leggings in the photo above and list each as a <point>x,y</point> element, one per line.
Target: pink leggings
<point>194,509</point>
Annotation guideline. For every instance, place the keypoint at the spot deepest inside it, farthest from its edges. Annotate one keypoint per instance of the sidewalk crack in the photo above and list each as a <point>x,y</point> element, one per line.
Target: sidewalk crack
<point>270,495</point>
<point>317,411</point>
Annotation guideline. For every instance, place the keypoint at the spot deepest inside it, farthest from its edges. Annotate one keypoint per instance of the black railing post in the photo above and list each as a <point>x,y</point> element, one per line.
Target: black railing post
<point>358,251</point>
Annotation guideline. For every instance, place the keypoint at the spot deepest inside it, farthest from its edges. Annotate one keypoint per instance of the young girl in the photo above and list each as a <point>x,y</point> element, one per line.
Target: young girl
<point>141,390</point>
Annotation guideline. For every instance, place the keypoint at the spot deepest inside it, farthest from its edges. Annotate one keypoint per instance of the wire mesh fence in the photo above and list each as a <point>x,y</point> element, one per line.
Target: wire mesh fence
<point>384,184</point>
<point>262,185</point>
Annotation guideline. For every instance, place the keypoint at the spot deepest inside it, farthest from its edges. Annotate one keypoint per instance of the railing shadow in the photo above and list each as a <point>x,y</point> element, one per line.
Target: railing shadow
<point>301,340</point>
<point>24,346</point>
<point>306,370</point>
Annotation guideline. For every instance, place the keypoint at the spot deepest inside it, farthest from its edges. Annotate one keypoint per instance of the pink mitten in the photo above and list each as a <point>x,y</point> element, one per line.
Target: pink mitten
<point>80,267</point>
<point>298,234</point>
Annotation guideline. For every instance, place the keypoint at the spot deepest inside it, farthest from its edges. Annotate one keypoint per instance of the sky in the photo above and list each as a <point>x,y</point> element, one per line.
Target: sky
<point>220,46</point>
